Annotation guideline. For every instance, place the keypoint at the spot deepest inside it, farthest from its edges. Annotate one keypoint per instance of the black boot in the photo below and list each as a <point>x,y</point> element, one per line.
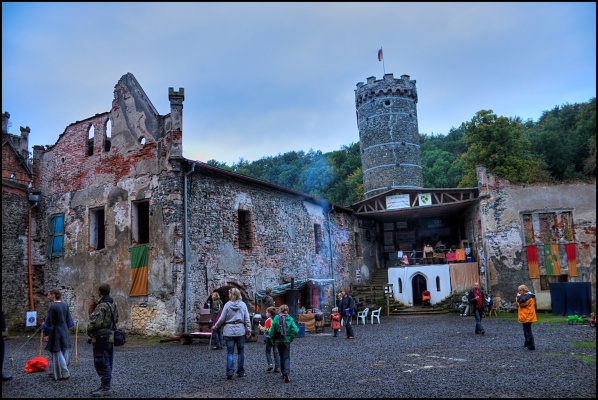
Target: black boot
<point>102,391</point>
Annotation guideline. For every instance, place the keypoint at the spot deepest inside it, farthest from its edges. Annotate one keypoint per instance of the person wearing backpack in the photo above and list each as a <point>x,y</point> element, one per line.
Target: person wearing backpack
<point>271,349</point>
<point>347,310</point>
<point>282,332</point>
<point>102,320</point>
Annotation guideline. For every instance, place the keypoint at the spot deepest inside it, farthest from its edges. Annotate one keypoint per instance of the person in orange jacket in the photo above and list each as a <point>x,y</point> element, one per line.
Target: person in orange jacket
<point>335,322</point>
<point>526,306</point>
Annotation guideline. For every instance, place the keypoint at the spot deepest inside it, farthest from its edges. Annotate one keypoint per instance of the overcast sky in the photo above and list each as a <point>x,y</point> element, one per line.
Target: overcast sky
<point>262,79</point>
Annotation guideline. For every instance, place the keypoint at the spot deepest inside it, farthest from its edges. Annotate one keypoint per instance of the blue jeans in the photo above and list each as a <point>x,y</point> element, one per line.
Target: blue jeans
<point>59,364</point>
<point>217,337</point>
<point>284,350</point>
<point>272,349</point>
<point>230,355</point>
<point>103,357</point>
<point>478,320</point>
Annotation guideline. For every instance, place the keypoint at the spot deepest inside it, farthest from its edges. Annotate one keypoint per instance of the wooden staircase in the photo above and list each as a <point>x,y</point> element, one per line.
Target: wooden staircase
<point>372,295</point>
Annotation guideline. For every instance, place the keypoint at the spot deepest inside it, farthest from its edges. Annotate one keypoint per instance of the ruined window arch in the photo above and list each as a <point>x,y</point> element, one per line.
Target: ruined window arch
<point>142,140</point>
<point>108,136</point>
<point>90,139</point>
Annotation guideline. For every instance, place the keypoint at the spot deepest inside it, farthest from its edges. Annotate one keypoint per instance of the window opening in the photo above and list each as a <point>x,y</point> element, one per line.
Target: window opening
<point>400,285</point>
<point>438,284</point>
<point>544,229</point>
<point>357,245</point>
<point>97,229</point>
<point>141,222</point>
<point>90,139</point>
<point>56,235</point>
<point>245,237</point>
<point>108,136</point>
<point>318,237</point>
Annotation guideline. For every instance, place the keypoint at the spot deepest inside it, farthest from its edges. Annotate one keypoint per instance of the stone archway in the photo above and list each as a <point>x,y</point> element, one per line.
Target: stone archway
<point>419,283</point>
<point>223,292</point>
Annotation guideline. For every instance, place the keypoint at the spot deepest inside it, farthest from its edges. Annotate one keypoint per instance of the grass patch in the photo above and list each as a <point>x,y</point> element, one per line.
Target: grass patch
<point>584,345</point>
<point>584,358</point>
<point>542,317</point>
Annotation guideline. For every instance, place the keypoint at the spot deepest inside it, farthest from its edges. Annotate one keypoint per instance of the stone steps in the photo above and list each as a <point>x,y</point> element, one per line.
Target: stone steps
<point>372,294</point>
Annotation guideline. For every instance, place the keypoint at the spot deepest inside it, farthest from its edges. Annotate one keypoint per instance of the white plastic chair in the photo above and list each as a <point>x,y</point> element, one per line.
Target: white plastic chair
<point>376,314</point>
<point>362,315</point>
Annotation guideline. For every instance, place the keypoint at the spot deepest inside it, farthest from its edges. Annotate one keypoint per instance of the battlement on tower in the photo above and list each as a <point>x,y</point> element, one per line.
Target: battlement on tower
<point>387,86</point>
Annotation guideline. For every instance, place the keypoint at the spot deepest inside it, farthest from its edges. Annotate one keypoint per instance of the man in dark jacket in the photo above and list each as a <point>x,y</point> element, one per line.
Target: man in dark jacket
<point>267,301</point>
<point>102,322</point>
<point>347,309</point>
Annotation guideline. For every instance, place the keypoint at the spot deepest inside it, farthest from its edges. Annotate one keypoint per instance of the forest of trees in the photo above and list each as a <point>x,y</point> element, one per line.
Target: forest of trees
<point>559,147</point>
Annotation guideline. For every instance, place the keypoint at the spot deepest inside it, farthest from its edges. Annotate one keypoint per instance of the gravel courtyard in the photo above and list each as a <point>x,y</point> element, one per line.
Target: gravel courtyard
<point>404,356</point>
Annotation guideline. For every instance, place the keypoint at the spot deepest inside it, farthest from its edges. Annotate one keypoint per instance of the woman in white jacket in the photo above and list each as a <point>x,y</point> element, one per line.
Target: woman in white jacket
<point>235,319</point>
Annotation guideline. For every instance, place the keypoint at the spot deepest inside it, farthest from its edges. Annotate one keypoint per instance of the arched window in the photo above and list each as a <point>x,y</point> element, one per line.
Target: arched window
<point>108,136</point>
<point>90,138</point>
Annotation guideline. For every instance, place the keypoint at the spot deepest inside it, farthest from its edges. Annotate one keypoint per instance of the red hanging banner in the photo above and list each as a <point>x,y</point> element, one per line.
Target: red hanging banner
<point>571,259</point>
<point>532,261</point>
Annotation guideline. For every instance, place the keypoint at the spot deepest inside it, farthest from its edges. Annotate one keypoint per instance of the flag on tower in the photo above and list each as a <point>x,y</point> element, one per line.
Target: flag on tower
<point>380,54</point>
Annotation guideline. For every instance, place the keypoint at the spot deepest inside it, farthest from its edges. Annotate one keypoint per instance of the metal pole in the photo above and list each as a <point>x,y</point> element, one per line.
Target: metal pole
<point>331,258</point>
<point>186,306</point>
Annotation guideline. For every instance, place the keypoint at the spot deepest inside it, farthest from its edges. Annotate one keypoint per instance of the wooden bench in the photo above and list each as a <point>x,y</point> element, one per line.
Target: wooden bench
<point>187,338</point>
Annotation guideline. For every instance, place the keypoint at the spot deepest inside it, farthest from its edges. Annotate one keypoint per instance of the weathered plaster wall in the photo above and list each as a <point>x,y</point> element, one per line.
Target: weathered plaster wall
<point>507,262</point>
<point>134,167</point>
<point>430,272</point>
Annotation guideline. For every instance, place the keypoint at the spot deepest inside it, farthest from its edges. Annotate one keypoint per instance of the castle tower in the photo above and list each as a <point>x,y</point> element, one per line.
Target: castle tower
<point>388,134</point>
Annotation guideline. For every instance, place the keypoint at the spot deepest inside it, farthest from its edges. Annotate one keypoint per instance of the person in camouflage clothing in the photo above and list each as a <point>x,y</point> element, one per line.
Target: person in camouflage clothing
<point>102,321</point>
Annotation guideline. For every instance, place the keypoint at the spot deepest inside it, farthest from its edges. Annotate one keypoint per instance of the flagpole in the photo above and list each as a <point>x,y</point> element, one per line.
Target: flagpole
<point>381,58</point>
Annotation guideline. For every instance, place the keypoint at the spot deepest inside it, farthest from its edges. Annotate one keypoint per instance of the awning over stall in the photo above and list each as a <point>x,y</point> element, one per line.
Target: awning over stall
<point>282,289</point>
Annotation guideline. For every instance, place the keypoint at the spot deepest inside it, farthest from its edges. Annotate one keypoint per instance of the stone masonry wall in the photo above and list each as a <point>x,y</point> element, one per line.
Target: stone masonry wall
<point>507,261</point>
<point>15,273</point>
<point>283,241</point>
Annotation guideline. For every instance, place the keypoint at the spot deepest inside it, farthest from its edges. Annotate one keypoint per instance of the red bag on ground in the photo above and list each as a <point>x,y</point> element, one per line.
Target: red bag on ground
<point>36,364</point>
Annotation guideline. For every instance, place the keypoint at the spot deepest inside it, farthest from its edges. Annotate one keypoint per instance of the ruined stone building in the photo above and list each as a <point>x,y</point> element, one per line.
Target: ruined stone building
<point>119,204</point>
<point>114,200</point>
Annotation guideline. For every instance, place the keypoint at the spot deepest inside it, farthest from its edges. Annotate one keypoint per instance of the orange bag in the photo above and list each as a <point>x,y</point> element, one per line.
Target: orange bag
<point>36,364</point>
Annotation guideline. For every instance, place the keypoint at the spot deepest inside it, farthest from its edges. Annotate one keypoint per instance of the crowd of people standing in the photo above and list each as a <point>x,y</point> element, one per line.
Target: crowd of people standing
<point>231,326</point>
